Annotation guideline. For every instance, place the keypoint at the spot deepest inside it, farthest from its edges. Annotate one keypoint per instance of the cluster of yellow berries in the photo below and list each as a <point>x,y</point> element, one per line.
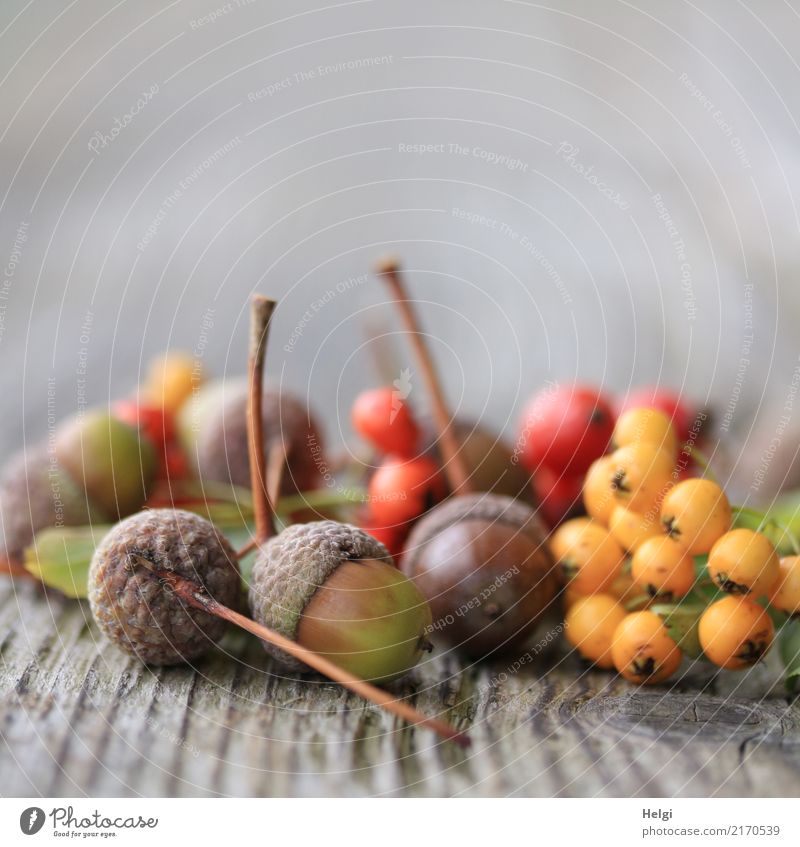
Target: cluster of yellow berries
<point>637,547</point>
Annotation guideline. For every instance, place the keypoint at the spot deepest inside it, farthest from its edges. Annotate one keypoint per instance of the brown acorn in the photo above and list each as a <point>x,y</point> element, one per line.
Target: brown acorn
<point>480,559</point>
<point>334,589</point>
<point>36,492</point>
<point>213,427</point>
<point>131,605</point>
<point>491,462</point>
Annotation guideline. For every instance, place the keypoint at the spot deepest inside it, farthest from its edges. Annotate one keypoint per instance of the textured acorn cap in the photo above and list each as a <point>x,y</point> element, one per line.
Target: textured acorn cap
<point>221,447</point>
<point>290,568</point>
<point>492,508</point>
<point>36,492</point>
<point>135,610</point>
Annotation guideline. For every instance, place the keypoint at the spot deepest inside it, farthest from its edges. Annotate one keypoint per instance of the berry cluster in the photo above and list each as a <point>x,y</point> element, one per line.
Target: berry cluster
<point>659,567</point>
<point>406,483</point>
<point>564,429</point>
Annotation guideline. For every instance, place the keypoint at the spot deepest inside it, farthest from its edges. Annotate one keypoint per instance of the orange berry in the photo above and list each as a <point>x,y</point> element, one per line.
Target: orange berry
<point>565,536</point>
<point>735,632</point>
<point>696,513</point>
<point>598,491</point>
<point>590,626</point>
<point>663,568</point>
<point>785,594</point>
<point>643,650</point>
<point>589,557</point>
<point>170,380</point>
<point>632,529</point>
<point>744,562</point>
<point>645,426</point>
<point>641,475</point>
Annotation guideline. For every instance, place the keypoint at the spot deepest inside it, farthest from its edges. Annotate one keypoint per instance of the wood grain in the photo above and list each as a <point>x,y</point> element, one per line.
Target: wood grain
<point>77,717</point>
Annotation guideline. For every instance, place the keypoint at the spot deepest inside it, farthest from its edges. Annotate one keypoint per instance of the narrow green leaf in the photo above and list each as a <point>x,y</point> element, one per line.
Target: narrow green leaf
<point>60,557</point>
<point>681,619</point>
<point>789,644</point>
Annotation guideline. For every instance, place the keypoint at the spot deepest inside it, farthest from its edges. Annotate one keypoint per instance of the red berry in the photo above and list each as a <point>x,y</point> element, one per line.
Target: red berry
<point>384,419</point>
<point>392,537</point>
<point>559,495</point>
<point>403,489</point>
<point>565,429</point>
<point>158,426</point>
<point>665,400</point>
<point>152,421</point>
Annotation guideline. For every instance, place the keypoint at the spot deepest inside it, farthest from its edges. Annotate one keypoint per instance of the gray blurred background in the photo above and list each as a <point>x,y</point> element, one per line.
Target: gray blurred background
<point>593,190</point>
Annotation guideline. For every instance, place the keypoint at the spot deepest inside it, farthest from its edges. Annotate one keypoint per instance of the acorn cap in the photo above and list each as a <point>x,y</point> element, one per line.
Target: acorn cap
<point>221,446</point>
<point>135,610</point>
<point>290,568</point>
<point>492,508</point>
<point>36,492</point>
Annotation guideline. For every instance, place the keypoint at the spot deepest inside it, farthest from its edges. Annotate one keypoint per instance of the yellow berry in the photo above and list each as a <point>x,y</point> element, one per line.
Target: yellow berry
<point>598,491</point>
<point>696,513</point>
<point>663,568</point>
<point>735,632</point>
<point>646,426</point>
<point>643,650</point>
<point>566,534</point>
<point>589,557</point>
<point>170,380</point>
<point>632,529</point>
<point>744,562</point>
<point>785,594</point>
<point>590,626</point>
<point>641,475</point>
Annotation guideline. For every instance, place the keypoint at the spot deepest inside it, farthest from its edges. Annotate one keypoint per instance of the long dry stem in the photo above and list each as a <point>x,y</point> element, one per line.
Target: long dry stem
<point>192,594</point>
<point>260,314</point>
<point>454,466</point>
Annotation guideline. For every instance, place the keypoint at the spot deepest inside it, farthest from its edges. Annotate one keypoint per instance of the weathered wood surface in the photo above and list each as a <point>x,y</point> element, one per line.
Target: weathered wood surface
<point>78,717</point>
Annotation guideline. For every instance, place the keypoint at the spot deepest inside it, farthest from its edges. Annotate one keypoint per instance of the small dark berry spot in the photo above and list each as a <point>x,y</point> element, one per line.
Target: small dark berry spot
<point>729,586</point>
<point>752,650</point>
<point>570,568</point>
<point>643,667</point>
<point>669,524</point>
<point>619,482</point>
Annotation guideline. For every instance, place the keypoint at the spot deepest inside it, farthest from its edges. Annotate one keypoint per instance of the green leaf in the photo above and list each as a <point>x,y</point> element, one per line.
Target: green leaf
<point>681,619</point>
<point>60,557</point>
<point>789,643</point>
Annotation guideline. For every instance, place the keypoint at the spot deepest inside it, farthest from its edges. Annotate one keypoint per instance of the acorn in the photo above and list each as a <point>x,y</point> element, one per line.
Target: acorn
<point>330,587</point>
<point>108,459</point>
<point>491,462</point>
<point>36,492</point>
<point>130,604</point>
<point>334,589</point>
<point>161,583</point>
<point>213,428</point>
<point>481,560</point>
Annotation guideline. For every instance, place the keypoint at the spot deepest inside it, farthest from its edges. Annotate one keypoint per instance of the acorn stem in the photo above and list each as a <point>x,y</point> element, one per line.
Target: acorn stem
<point>195,596</point>
<point>454,467</point>
<point>260,313</point>
<point>246,549</point>
<point>276,464</point>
